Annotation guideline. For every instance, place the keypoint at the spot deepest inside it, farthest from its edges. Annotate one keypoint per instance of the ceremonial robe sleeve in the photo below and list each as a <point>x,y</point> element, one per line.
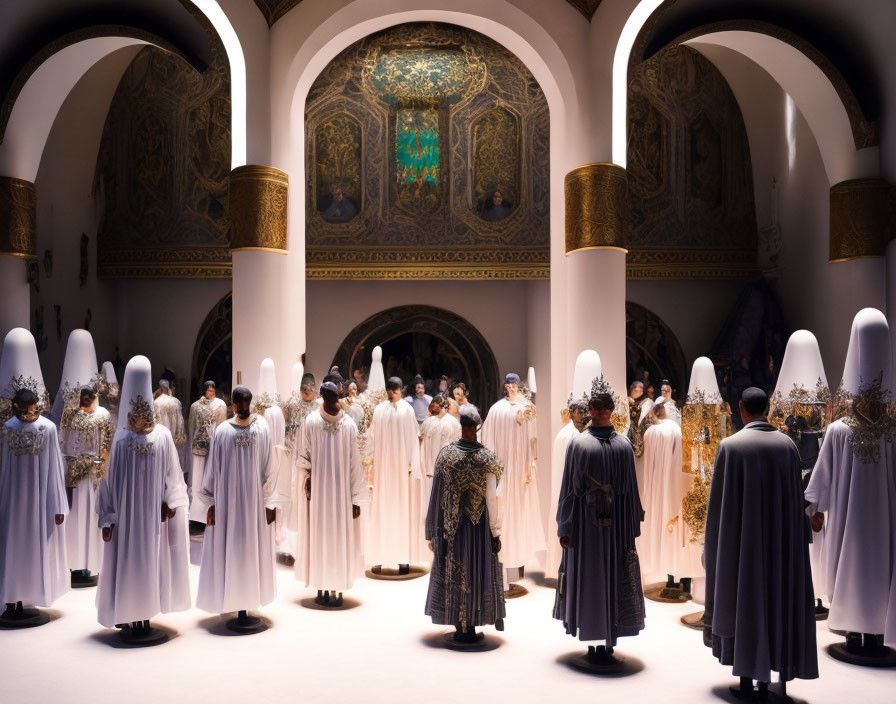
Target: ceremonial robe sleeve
<point>360,495</point>
<point>57,501</point>
<point>175,486</point>
<point>179,431</point>
<point>818,493</point>
<point>303,445</point>
<point>567,504</point>
<point>491,502</point>
<point>269,465</point>
<point>413,441</point>
<point>106,506</point>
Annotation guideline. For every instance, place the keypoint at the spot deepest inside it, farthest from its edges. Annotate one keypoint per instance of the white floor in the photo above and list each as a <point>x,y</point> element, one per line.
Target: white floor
<point>379,651</point>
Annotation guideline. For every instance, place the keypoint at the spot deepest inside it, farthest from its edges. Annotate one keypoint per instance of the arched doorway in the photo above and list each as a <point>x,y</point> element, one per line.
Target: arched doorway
<point>426,340</point>
<point>651,346</point>
<point>213,353</point>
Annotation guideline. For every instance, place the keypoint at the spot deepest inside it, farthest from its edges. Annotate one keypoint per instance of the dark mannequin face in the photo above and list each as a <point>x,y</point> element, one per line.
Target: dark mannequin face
<point>210,393</point>
<point>28,414</point>
<point>307,395</point>
<point>579,417</point>
<point>242,409</point>
<point>394,395</point>
<point>331,402</point>
<point>468,432</point>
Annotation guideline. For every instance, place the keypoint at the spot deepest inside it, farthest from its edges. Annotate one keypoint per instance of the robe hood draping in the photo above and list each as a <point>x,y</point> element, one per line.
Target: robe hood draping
<point>20,365</point>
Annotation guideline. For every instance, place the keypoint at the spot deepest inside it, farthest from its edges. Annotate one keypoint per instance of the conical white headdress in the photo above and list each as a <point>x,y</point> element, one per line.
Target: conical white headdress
<point>108,373</point>
<point>377,380</point>
<point>80,366</point>
<point>20,365</point>
<point>267,380</point>
<point>868,357</point>
<point>802,367</point>
<point>588,368</point>
<point>703,387</point>
<point>530,381</point>
<point>136,391</point>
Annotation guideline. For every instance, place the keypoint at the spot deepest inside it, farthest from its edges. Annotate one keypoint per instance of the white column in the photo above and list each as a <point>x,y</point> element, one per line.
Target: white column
<point>18,218</point>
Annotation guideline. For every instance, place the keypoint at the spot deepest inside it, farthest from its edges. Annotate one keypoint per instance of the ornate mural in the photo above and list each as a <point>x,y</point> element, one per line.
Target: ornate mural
<point>428,145</point>
<point>163,170</point>
<point>690,179</point>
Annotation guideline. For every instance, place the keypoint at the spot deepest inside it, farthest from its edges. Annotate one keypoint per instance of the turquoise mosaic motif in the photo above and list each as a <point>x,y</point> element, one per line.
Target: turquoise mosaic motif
<point>417,146</point>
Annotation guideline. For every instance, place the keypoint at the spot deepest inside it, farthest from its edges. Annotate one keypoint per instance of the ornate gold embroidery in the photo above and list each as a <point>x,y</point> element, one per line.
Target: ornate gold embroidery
<point>872,418</point>
<point>25,442</point>
<point>141,410</point>
<point>140,447</point>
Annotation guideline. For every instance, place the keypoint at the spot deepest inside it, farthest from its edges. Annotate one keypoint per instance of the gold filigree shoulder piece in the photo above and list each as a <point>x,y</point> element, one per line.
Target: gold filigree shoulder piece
<point>141,410</point>
<point>872,418</point>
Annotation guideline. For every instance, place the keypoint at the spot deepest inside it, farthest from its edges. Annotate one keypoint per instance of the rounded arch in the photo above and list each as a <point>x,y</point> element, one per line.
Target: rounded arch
<point>652,346</point>
<point>213,345</point>
<point>456,332</point>
<point>817,88</point>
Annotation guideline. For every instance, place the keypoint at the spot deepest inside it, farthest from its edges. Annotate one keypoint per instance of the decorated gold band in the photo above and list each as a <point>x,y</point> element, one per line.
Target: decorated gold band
<point>596,206</point>
<point>861,213</point>
<point>18,217</point>
<point>259,197</point>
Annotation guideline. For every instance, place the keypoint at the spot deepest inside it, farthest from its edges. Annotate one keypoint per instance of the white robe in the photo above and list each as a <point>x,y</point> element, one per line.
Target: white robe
<point>332,543</point>
<point>293,537</point>
<point>858,563</point>
<point>558,459</point>
<point>169,412</point>
<point>435,433</point>
<point>33,567</point>
<point>395,532</point>
<point>512,438</point>
<point>83,538</point>
<point>145,565</point>
<point>663,551</point>
<point>209,414</point>
<point>237,570</point>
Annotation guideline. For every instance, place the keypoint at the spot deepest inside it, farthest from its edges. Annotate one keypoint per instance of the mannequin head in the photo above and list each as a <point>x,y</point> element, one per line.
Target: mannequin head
<point>307,390</point>
<point>393,389</point>
<point>511,386</point>
<point>578,414</point>
<point>88,398</point>
<point>141,419</point>
<point>352,389</point>
<point>666,390</point>
<point>636,390</point>
<point>241,399</point>
<point>419,386</point>
<point>329,393</point>
<point>753,405</point>
<point>470,422</point>
<point>460,393</point>
<point>164,387</point>
<point>434,408</point>
<point>443,384</point>
<point>24,405</point>
<point>600,408</point>
<point>208,390</point>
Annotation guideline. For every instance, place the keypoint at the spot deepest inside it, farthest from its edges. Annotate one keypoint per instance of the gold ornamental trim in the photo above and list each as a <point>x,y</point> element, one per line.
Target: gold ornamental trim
<point>173,263</point>
<point>258,203</point>
<point>18,217</point>
<point>860,219</point>
<point>598,247</point>
<point>596,206</point>
<point>507,272</point>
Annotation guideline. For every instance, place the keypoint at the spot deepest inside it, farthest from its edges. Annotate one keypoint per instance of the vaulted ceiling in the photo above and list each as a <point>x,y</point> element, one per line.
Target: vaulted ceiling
<point>273,10</point>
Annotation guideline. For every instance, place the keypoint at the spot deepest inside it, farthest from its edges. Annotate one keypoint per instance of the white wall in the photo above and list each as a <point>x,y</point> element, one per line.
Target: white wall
<point>66,208</point>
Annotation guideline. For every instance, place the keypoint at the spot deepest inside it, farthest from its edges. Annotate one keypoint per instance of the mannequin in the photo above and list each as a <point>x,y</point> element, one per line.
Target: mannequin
<point>665,545</point>
<point>759,613</point>
<point>85,438</point>
<point>33,568</point>
<point>305,403</point>
<point>438,430</point>
<point>672,411</point>
<point>599,596</point>
<point>801,409</point>
<point>463,531</point>
<point>79,369</point>
<point>20,369</point>
<point>239,498</point>
<point>206,414</point>
<point>396,522</point>
<point>142,512</point>
<point>854,481</point>
<point>587,368</point>
<point>266,402</point>
<point>419,399</point>
<point>170,412</point>
<point>509,431</point>
<point>334,488</point>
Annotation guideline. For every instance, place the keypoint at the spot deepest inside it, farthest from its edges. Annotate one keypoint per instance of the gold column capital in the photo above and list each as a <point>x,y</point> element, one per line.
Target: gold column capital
<point>861,219</point>
<point>257,205</point>
<point>596,207</point>
<point>18,217</point>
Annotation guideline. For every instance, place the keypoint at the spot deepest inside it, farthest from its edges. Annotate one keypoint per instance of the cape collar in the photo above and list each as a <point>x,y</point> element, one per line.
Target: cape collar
<point>761,425</point>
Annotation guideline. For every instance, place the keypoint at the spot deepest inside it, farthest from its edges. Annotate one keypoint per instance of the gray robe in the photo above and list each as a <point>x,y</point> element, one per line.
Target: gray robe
<point>599,594</point>
<point>759,600</point>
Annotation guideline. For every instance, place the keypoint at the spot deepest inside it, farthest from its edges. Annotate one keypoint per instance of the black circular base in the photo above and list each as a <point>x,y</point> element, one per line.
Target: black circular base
<point>142,638</point>
<point>79,581</point>
<point>694,621</point>
<point>477,644</point>
<point>285,559</point>
<point>666,595</point>
<point>393,575</point>
<point>884,657</point>
<point>312,603</point>
<point>821,613</point>
<point>27,618</point>
<point>246,626</point>
<point>515,591</point>
<point>583,663</point>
